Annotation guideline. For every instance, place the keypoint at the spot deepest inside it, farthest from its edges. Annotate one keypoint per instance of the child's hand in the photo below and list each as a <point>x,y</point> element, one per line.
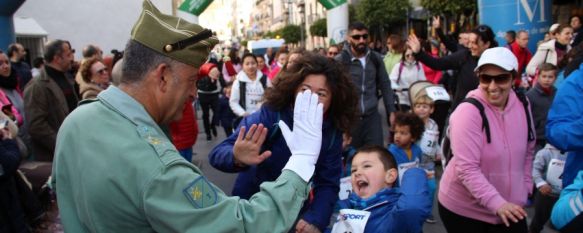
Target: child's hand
<point>545,189</point>
<point>305,227</point>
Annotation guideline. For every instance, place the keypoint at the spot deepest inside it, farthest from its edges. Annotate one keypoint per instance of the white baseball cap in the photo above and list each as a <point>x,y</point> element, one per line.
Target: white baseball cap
<point>498,56</point>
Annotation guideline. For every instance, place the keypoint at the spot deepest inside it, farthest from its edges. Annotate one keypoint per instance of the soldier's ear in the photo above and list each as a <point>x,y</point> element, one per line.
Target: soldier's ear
<point>161,75</point>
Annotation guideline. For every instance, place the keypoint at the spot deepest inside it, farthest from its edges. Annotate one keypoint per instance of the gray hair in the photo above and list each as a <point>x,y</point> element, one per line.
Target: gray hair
<point>138,60</point>
<point>52,49</point>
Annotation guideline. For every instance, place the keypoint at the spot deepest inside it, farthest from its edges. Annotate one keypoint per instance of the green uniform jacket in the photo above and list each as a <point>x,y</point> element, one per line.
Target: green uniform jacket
<point>116,171</point>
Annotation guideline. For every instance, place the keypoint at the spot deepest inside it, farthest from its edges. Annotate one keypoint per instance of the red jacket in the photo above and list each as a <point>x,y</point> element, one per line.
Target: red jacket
<point>523,56</point>
<point>185,131</point>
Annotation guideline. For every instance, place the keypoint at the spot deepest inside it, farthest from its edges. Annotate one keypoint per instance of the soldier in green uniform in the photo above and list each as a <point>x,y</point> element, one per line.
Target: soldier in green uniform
<point>116,171</point>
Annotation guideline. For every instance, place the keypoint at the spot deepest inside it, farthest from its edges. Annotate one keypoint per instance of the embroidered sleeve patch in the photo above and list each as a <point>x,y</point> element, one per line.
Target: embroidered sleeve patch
<point>201,193</point>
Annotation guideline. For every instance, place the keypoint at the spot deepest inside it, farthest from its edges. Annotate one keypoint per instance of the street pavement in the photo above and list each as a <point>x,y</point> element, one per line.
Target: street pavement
<point>225,181</point>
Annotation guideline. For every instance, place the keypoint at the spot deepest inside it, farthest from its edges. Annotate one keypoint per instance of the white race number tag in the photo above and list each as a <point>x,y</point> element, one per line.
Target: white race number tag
<point>345,188</point>
<point>554,172</point>
<point>437,93</point>
<point>351,221</point>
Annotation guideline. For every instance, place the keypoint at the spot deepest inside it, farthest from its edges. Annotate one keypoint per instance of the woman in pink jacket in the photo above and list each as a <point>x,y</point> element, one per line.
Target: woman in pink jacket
<point>486,185</point>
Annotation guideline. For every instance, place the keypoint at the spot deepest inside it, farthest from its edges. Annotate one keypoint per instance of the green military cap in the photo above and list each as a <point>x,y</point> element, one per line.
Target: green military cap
<point>172,36</point>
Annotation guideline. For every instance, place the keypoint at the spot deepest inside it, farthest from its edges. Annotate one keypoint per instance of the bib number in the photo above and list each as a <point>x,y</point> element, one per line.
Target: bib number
<point>555,172</point>
<point>351,221</point>
<point>345,188</point>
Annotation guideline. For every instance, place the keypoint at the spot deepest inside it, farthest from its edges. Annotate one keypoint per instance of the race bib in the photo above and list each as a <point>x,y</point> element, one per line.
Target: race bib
<point>351,221</point>
<point>554,173</point>
<point>405,166</point>
<point>345,188</point>
<point>428,142</point>
<point>437,93</point>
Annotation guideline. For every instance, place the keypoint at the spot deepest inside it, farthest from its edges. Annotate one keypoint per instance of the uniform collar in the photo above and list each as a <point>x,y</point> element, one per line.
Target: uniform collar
<point>127,106</point>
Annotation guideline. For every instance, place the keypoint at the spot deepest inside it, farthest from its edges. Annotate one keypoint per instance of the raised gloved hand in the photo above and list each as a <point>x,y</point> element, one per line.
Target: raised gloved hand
<point>306,139</point>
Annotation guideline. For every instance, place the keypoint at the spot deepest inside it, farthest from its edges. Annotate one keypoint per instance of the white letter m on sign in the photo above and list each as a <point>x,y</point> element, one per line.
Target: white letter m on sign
<point>530,12</point>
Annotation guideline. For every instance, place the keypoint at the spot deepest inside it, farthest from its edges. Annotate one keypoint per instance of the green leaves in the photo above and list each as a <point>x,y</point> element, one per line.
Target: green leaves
<point>448,7</point>
<point>319,28</point>
<point>382,13</point>
<point>291,33</point>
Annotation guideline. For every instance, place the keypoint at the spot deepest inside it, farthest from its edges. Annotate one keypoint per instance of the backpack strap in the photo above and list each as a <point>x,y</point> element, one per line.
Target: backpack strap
<point>242,91</point>
<point>485,124</point>
<point>524,101</point>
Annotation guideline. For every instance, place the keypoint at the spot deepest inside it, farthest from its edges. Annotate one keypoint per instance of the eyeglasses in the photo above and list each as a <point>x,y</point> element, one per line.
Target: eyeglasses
<point>102,71</point>
<point>357,37</point>
<point>498,79</point>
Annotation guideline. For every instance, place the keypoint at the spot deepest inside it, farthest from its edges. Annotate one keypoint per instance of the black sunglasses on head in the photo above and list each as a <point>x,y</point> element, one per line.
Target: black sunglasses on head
<point>498,79</point>
<point>357,37</point>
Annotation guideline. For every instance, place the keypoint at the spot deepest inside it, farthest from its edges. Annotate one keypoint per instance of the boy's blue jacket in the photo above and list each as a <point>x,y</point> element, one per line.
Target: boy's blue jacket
<point>564,128</point>
<point>396,210</point>
<point>326,178</point>
<point>400,155</point>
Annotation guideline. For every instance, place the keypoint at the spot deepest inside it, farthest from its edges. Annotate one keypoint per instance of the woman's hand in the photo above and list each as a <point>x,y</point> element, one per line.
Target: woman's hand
<point>436,23</point>
<point>510,211</point>
<point>247,147</point>
<point>305,227</point>
<point>413,43</point>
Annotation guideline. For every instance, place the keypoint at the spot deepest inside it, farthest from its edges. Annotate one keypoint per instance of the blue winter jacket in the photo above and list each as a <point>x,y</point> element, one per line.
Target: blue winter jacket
<point>564,128</point>
<point>396,210</point>
<point>326,178</point>
<point>401,156</point>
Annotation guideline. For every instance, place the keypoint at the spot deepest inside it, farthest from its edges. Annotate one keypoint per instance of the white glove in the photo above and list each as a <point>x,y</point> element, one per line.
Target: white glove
<point>306,139</point>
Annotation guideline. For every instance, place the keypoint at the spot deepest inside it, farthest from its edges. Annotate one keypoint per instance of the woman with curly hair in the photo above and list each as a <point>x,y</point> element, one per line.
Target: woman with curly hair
<point>95,78</point>
<point>262,158</point>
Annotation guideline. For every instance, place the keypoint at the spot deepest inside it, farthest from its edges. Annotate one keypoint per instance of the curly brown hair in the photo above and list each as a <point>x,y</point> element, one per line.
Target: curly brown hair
<point>416,125</point>
<point>85,69</point>
<point>344,98</point>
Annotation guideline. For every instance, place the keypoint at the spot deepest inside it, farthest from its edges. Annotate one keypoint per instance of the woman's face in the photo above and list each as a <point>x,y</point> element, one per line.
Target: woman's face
<point>496,84</point>
<point>409,56</point>
<point>4,65</point>
<point>317,84</point>
<point>250,66</point>
<point>564,37</point>
<point>260,62</point>
<point>99,74</point>
<point>292,58</point>
<point>476,45</point>
<point>282,58</point>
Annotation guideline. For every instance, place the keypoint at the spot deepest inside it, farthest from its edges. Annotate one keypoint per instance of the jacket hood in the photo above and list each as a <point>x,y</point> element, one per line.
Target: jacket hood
<point>481,96</point>
<point>242,77</point>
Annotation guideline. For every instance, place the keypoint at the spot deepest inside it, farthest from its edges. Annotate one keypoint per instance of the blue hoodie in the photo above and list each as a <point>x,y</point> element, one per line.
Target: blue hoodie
<point>564,128</point>
<point>395,210</point>
<point>326,180</point>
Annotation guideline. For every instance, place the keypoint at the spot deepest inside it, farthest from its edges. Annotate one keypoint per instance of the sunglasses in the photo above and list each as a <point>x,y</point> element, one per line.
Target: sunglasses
<point>332,53</point>
<point>102,71</point>
<point>357,37</point>
<point>498,79</point>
